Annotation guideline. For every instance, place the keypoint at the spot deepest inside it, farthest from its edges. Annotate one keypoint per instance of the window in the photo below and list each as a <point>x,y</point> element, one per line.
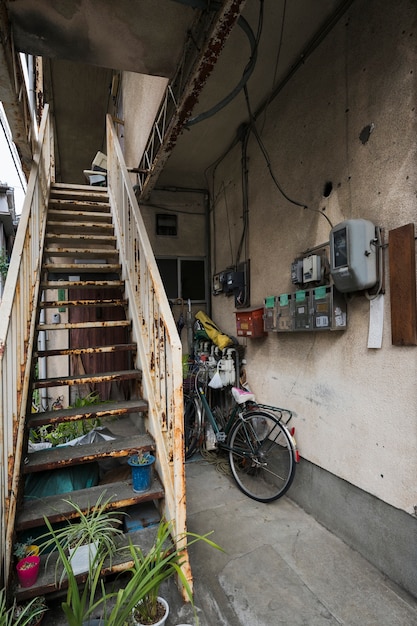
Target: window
<point>183,278</point>
<point>166,225</point>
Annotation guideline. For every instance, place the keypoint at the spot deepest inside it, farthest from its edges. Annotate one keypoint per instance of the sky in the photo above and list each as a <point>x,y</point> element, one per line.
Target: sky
<point>8,171</point>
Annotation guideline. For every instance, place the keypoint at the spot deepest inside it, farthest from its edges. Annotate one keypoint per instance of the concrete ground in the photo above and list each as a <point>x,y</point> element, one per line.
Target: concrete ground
<point>279,566</point>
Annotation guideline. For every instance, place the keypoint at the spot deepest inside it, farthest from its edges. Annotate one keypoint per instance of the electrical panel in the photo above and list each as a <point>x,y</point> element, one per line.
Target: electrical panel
<point>353,255</point>
<point>311,269</point>
<point>297,272</point>
<point>319,309</point>
<point>250,323</point>
<point>234,281</point>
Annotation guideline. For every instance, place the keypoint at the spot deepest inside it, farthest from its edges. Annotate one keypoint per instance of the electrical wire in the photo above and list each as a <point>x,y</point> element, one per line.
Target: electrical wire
<point>10,147</point>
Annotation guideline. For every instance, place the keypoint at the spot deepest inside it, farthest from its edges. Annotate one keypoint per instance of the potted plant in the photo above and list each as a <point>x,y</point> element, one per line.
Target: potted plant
<point>149,570</point>
<point>141,464</point>
<point>28,614</point>
<point>34,610</point>
<point>161,562</point>
<point>25,548</point>
<point>28,570</point>
<point>89,538</point>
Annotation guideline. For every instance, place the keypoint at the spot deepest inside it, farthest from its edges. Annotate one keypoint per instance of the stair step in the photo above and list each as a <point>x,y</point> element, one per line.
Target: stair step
<point>46,582</point>
<point>80,284</point>
<point>89,205</point>
<point>59,215</point>
<point>92,411</point>
<point>68,238</point>
<point>84,227</point>
<point>87,378</point>
<point>78,325</point>
<point>82,268</point>
<point>91,253</point>
<point>120,495</point>
<point>65,456</point>
<point>84,303</point>
<point>122,347</point>
<point>78,192</point>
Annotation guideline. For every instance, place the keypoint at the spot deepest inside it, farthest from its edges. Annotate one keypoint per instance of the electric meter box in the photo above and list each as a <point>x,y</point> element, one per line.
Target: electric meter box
<point>353,255</point>
<point>328,309</point>
<point>285,320</point>
<point>250,323</point>
<point>270,314</point>
<point>302,311</point>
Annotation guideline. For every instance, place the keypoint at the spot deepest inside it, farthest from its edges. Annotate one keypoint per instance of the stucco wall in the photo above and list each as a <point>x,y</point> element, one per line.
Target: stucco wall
<point>356,408</point>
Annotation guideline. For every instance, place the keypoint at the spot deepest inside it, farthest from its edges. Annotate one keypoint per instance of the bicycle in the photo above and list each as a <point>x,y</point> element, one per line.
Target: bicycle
<point>261,450</point>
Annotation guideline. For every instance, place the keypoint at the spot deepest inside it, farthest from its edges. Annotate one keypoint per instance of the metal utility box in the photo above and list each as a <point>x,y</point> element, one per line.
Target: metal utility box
<point>250,323</point>
<point>270,314</point>
<point>353,255</point>
<point>328,308</point>
<point>302,317</point>
<point>285,312</point>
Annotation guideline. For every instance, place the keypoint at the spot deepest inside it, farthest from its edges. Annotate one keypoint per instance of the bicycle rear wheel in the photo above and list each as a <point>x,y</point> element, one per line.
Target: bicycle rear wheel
<point>192,425</point>
<point>261,456</point>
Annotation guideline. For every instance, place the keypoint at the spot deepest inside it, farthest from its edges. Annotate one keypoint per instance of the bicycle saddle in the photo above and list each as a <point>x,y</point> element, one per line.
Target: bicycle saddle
<point>241,396</point>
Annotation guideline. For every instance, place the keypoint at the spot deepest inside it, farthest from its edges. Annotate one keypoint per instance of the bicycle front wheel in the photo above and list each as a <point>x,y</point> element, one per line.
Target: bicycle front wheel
<point>192,425</point>
<point>261,456</point>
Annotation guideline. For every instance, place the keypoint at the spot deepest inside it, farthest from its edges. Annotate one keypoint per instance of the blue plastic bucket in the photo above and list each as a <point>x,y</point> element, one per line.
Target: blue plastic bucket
<point>141,473</point>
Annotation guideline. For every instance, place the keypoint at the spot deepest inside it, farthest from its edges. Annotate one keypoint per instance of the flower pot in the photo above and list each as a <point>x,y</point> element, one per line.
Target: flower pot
<point>28,570</point>
<point>141,473</point>
<point>32,550</point>
<point>160,622</point>
<point>82,556</point>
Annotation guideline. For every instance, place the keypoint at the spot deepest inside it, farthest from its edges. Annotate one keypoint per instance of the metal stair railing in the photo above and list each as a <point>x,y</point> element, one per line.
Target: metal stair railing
<point>17,325</point>
<point>159,351</point>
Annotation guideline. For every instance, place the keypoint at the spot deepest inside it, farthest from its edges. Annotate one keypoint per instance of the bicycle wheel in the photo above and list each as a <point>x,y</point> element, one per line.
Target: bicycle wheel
<point>261,456</point>
<point>192,425</point>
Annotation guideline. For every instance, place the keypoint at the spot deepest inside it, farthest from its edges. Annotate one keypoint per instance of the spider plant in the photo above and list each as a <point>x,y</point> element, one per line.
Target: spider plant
<point>97,526</point>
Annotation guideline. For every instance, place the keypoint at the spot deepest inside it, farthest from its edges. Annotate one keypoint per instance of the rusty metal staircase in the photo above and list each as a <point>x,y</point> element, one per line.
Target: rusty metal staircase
<point>80,257</point>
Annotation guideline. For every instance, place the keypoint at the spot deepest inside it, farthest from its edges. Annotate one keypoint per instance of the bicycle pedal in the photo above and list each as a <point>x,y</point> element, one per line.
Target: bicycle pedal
<point>221,437</point>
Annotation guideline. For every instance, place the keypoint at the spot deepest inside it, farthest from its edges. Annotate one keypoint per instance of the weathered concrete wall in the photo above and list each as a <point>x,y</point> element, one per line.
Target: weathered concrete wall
<point>356,408</point>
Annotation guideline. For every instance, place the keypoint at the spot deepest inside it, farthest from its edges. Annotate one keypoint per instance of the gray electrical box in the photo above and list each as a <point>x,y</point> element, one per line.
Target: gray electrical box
<point>353,255</point>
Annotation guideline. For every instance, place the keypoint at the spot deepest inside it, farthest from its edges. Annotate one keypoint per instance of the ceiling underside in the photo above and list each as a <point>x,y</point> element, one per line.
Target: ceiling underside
<point>85,40</point>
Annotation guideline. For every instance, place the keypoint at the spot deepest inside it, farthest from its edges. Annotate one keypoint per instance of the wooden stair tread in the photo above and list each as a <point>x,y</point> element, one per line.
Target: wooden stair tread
<point>70,237</point>
<point>120,347</point>
<point>87,227</point>
<point>100,410</point>
<point>78,192</point>
<point>97,324</point>
<point>86,252</point>
<point>47,575</point>
<point>80,284</point>
<point>84,303</point>
<point>65,456</point>
<point>78,214</point>
<point>56,508</point>
<point>82,268</point>
<point>81,379</point>
<point>68,204</point>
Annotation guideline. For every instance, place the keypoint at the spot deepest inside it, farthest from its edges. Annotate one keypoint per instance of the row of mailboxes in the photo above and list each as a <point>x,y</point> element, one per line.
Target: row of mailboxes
<point>322,308</point>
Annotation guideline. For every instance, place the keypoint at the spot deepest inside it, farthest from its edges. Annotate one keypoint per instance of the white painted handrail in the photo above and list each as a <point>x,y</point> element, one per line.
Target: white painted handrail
<point>159,353</point>
<point>17,324</point>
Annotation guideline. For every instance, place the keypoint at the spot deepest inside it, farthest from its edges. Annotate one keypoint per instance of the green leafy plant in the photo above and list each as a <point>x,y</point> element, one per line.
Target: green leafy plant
<point>24,548</point>
<point>140,458</point>
<point>96,526</point>
<point>17,615</point>
<point>34,610</point>
<point>4,264</point>
<point>147,573</point>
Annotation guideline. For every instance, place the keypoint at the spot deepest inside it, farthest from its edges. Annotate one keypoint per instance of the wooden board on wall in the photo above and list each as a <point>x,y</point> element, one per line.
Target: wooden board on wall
<point>402,263</point>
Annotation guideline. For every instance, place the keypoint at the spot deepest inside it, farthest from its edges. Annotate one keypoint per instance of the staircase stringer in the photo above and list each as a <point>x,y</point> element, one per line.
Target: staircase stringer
<point>18,312</point>
<point>159,350</point>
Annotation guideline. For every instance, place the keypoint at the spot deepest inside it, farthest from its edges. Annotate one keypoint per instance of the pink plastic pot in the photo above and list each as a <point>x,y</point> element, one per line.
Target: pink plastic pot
<point>28,570</point>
